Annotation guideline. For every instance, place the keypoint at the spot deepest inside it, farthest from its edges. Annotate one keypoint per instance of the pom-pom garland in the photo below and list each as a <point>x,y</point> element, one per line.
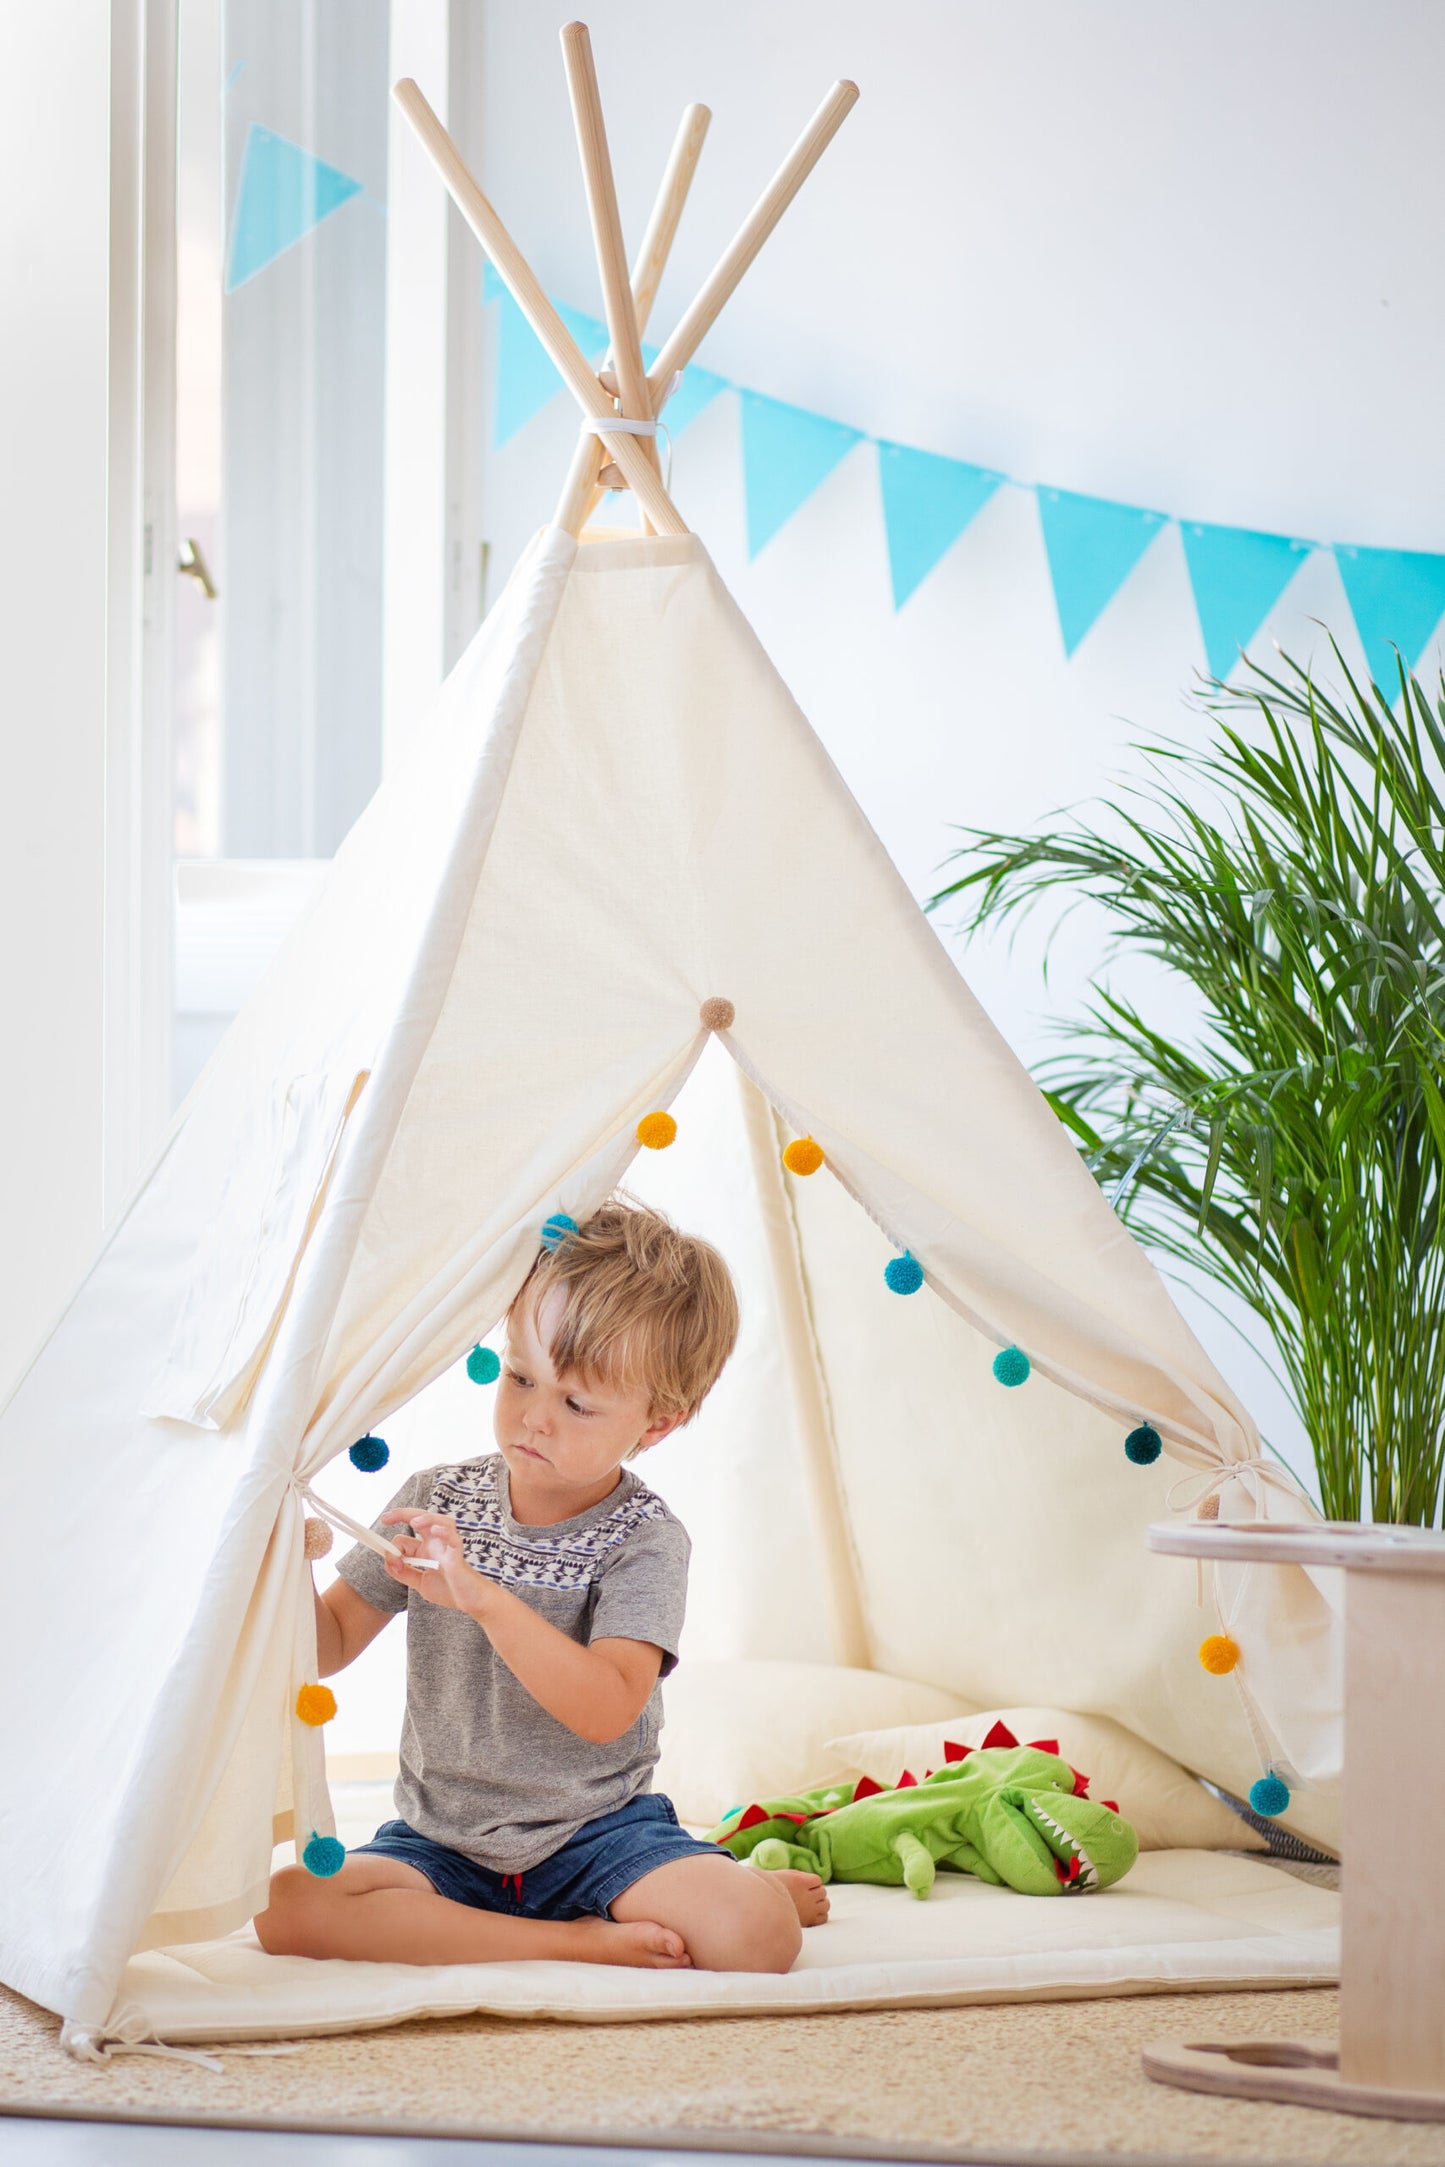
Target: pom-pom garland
<point>556,1229</point>
<point>1219,1653</point>
<point>483,1365</point>
<point>717,1014</point>
<point>1011,1366</point>
<point>323,1856</point>
<point>803,1156</point>
<point>656,1131</point>
<point>1144,1445</point>
<point>316,1704</point>
<point>904,1274</point>
<point>316,1538</point>
<point>1208,1507</point>
<point>1269,1795</point>
<point>370,1453</point>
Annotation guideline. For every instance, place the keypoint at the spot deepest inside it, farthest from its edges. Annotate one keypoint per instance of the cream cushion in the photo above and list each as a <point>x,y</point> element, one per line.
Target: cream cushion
<point>735,1731</point>
<point>1168,1807</point>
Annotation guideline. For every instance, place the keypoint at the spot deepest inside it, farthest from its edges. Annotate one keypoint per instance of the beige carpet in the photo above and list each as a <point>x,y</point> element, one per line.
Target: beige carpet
<point>1051,2079</point>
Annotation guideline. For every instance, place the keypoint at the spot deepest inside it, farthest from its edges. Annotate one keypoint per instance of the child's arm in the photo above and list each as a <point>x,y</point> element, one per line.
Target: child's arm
<point>598,1691</point>
<point>345,1624</point>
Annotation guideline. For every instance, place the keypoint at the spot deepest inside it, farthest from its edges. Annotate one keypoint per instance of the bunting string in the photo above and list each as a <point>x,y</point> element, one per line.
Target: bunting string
<point>1092,544</point>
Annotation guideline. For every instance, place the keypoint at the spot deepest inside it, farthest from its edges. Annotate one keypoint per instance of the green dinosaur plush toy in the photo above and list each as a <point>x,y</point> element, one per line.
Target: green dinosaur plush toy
<point>1016,1816</point>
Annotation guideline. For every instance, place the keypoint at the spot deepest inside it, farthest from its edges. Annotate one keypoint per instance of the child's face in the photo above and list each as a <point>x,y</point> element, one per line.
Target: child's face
<point>557,1434</point>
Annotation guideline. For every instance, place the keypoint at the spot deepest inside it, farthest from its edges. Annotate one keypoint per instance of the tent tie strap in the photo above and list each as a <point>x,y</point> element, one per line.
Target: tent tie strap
<point>1201,1483</point>
<point>127,2032</point>
<point>604,425</point>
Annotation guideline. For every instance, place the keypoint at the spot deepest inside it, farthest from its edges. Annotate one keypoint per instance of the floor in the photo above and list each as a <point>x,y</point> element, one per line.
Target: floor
<point>117,2144</point>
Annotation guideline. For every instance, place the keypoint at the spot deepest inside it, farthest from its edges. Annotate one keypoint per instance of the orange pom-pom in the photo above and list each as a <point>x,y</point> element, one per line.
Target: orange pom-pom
<point>1208,1507</point>
<point>656,1131</point>
<point>1219,1654</point>
<point>315,1704</point>
<point>803,1156</point>
<point>717,1014</point>
<point>316,1538</point>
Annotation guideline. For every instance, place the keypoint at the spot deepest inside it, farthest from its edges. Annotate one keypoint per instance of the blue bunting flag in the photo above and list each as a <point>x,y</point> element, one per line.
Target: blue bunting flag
<point>1237,576</point>
<point>1397,597</point>
<point>1093,545</point>
<point>787,453</point>
<point>283,193</point>
<point>927,503</point>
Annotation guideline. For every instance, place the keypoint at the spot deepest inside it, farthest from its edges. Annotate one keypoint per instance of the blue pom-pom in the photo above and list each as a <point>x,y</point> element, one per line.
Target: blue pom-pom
<point>323,1856</point>
<point>370,1453</point>
<point>904,1274</point>
<point>483,1366</point>
<point>557,1228</point>
<point>1269,1795</point>
<point>1144,1445</point>
<point>1011,1365</point>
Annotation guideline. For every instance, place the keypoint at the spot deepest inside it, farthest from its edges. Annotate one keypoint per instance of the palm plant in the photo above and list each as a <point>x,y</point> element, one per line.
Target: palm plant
<point>1291,1144</point>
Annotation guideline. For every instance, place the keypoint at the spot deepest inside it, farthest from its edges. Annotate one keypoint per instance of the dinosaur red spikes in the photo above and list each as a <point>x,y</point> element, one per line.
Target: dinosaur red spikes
<point>951,1752</point>
<point>907,1781</point>
<point>1081,1783</point>
<point>752,1817</point>
<point>866,1788</point>
<point>1112,1804</point>
<point>1045,1745</point>
<point>1000,1735</point>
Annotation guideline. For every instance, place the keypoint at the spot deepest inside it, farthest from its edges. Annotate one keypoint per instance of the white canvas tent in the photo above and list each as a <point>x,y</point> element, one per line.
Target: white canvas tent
<point>615,815</point>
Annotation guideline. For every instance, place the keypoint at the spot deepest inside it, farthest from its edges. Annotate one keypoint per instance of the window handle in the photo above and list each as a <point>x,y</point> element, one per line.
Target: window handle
<point>193,563</point>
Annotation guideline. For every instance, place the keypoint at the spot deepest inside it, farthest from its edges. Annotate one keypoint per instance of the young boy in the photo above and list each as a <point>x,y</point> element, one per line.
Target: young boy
<point>527,1825</point>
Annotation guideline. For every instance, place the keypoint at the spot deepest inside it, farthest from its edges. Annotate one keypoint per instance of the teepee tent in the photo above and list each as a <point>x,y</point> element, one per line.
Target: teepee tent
<point>615,874</point>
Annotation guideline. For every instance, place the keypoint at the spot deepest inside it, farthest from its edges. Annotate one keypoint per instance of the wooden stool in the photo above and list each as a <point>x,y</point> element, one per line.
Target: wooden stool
<point>1391,2054</point>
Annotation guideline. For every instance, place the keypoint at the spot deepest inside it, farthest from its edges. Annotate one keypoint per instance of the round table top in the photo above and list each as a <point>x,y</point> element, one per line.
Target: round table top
<point>1360,1546</point>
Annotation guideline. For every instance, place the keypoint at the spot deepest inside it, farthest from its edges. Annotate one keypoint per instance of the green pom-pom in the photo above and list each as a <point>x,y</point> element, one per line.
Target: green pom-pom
<point>1011,1365</point>
<point>1269,1795</point>
<point>369,1453</point>
<point>557,1228</point>
<point>483,1366</point>
<point>904,1274</point>
<point>1144,1445</point>
<point>323,1856</point>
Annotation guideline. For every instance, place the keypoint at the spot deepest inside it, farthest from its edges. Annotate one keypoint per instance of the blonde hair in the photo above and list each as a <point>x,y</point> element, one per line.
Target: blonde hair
<point>644,1307</point>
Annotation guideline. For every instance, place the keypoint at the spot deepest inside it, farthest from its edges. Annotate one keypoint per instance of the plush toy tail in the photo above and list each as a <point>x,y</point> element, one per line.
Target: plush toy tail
<point>916,1861</point>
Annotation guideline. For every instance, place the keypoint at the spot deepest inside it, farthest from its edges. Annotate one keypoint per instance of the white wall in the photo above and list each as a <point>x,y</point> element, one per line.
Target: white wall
<point>54,239</point>
<point>1181,257</point>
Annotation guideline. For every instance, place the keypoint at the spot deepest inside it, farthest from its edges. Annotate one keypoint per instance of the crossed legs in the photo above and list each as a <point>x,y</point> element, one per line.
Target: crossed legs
<point>707,1912</point>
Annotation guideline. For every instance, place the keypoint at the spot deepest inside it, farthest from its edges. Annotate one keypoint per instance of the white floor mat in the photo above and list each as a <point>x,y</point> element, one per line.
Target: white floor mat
<point>1182,1921</point>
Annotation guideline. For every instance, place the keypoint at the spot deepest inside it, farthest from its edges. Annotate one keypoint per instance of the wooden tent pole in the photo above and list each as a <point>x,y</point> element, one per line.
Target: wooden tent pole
<point>770,207</point>
<point>597,176</point>
<point>516,272</point>
<point>582,491</point>
<point>842,1580</point>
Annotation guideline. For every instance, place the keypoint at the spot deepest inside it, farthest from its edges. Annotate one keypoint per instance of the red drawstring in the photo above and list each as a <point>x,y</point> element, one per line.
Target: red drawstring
<point>517,1879</point>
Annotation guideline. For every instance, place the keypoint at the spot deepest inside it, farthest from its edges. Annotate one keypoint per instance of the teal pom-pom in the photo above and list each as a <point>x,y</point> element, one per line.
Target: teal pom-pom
<point>904,1274</point>
<point>1269,1795</point>
<point>1011,1365</point>
<point>557,1228</point>
<point>1144,1445</point>
<point>483,1366</point>
<point>323,1856</point>
<point>370,1453</point>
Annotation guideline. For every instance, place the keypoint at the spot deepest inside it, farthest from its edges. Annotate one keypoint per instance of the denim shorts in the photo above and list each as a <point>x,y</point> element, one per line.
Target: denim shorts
<point>582,1879</point>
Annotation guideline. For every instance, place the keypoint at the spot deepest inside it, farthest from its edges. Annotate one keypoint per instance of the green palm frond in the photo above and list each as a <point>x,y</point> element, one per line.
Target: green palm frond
<point>1292,1144</point>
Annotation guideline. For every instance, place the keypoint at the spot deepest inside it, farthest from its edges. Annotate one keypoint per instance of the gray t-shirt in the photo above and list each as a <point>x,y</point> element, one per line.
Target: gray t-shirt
<point>484,1768</point>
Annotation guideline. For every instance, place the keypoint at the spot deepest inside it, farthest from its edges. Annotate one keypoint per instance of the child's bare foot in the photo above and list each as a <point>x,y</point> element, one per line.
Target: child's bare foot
<point>809,1896</point>
<point>637,1942</point>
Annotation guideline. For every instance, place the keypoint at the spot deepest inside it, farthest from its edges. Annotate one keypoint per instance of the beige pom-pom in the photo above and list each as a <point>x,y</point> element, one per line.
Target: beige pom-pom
<point>717,1014</point>
<point>316,1538</point>
<point>1209,1507</point>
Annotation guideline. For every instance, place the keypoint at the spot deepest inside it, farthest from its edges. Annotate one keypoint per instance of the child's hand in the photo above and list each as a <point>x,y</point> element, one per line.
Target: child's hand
<point>434,1535</point>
